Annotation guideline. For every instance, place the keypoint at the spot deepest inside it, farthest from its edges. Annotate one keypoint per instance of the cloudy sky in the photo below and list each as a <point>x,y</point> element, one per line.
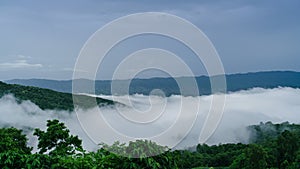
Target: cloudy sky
<point>40,39</point>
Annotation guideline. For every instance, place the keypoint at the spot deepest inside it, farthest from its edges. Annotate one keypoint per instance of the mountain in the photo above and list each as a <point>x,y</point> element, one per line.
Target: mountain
<point>235,82</point>
<point>46,98</point>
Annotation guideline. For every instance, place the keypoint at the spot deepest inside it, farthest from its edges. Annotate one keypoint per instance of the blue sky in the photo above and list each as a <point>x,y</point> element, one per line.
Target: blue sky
<point>40,39</point>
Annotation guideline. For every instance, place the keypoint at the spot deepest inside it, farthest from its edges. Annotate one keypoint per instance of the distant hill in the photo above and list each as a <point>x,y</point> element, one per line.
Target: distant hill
<point>235,82</point>
<point>45,98</point>
<point>265,131</point>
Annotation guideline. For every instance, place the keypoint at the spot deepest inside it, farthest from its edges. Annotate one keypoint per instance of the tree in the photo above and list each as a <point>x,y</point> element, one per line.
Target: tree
<point>13,148</point>
<point>254,157</point>
<point>287,148</point>
<point>13,140</point>
<point>56,139</point>
<point>137,154</point>
<point>239,162</point>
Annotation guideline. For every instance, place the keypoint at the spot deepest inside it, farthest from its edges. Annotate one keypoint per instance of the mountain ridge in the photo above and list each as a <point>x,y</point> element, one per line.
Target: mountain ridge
<point>235,82</point>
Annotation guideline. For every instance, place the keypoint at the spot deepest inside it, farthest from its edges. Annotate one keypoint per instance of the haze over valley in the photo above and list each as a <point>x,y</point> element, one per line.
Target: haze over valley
<point>150,85</point>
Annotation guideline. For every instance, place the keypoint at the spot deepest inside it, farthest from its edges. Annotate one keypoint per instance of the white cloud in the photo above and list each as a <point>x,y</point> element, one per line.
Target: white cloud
<point>241,109</point>
<point>20,63</point>
<point>68,69</point>
<point>24,57</point>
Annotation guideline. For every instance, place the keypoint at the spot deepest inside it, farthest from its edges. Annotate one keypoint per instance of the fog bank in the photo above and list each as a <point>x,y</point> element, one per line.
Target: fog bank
<point>242,109</point>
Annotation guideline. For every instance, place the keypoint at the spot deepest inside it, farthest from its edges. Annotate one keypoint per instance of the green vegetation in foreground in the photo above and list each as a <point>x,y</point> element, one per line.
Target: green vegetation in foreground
<point>211,168</point>
<point>271,147</point>
<point>45,98</point>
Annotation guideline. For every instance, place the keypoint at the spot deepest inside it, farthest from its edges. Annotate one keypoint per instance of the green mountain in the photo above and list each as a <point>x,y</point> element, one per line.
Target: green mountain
<point>46,98</point>
<point>263,132</point>
<point>235,82</point>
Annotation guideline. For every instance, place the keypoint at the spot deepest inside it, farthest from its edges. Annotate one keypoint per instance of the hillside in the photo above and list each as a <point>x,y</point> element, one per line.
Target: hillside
<point>235,82</point>
<point>44,98</point>
<point>264,132</point>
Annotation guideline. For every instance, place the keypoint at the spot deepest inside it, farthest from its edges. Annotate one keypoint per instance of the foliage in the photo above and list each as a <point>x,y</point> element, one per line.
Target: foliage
<point>253,157</point>
<point>12,140</point>
<point>45,98</point>
<point>57,140</point>
<point>59,149</point>
<point>220,155</point>
<point>287,148</point>
<point>264,132</point>
<point>137,154</point>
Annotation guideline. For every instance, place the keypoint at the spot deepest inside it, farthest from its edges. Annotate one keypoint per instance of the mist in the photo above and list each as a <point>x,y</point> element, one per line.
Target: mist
<point>242,109</point>
<point>28,116</point>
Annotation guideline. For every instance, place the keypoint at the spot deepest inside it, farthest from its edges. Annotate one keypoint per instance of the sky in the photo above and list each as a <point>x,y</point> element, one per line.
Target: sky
<point>42,39</point>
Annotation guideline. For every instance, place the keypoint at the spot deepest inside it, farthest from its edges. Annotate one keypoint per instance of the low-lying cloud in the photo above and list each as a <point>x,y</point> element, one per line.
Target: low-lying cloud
<point>242,109</point>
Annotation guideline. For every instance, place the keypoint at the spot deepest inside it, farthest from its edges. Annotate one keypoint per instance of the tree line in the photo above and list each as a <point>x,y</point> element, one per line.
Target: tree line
<point>272,146</point>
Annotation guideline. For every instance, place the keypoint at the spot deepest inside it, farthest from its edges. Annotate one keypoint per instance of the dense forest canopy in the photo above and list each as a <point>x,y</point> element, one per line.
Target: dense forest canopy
<point>271,147</point>
<point>45,98</point>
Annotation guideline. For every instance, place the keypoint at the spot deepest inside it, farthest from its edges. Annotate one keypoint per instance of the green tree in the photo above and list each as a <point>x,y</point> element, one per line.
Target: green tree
<point>12,159</point>
<point>13,140</point>
<point>254,157</point>
<point>137,154</point>
<point>239,162</point>
<point>56,139</point>
<point>13,148</point>
<point>287,148</point>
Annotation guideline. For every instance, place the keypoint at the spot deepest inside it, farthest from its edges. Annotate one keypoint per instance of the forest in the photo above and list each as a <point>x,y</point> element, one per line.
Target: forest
<point>271,146</point>
<point>46,98</point>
